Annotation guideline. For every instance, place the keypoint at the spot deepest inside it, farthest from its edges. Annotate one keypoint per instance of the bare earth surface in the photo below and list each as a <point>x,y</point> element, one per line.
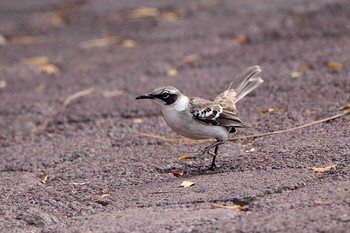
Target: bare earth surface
<point>89,148</point>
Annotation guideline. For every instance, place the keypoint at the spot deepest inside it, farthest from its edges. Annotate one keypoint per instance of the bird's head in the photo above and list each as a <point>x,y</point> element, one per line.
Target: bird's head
<point>163,95</point>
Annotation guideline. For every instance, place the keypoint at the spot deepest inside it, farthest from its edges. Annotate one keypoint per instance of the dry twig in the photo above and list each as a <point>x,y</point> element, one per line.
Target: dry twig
<point>69,99</point>
<point>186,140</point>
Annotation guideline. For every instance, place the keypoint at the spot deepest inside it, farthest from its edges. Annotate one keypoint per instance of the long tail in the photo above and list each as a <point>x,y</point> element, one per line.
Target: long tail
<point>246,82</point>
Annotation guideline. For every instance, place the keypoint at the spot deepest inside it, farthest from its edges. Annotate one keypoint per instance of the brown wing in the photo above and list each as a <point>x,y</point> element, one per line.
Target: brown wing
<point>213,113</point>
<point>205,111</point>
<point>227,100</point>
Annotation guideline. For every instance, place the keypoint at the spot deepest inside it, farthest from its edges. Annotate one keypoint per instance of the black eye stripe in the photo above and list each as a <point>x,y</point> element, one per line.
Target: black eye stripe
<point>170,99</point>
<point>165,95</point>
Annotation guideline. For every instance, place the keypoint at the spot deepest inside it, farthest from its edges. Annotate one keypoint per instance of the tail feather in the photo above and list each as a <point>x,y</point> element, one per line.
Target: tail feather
<point>246,82</point>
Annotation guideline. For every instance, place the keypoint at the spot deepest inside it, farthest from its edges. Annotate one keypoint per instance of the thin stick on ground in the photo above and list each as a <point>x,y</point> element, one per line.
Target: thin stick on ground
<point>41,127</point>
<point>92,90</point>
<point>186,140</point>
<point>77,95</point>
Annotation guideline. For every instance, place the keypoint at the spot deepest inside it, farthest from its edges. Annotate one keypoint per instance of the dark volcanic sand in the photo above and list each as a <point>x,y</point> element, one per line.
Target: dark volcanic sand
<point>88,149</point>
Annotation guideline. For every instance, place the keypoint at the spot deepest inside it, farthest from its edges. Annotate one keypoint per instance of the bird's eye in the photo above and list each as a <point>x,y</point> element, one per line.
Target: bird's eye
<point>165,95</point>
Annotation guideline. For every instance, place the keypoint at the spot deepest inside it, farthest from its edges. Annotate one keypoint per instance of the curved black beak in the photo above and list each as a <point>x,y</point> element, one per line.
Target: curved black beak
<point>145,96</point>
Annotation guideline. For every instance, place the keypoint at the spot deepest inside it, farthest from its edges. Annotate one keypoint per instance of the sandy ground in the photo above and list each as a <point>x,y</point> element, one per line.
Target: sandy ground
<point>59,155</point>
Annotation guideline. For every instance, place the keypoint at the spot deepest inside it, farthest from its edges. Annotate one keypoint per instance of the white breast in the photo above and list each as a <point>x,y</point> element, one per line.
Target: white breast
<point>180,119</point>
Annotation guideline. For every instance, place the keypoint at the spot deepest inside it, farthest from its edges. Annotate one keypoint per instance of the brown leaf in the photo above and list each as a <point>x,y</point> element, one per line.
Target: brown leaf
<point>178,174</point>
<point>42,60</point>
<point>129,43</point>
<point>186,184</point>
<point>43,180</point>
<point>172,71</point>
<point>304,69</point>
<point>236,207</point>
<point>103,196</point>
<point>205,4</point>
<point>269,110</point>
<point>26,40</point>
<point>189,58</point>
<point>170,15</point>
<point>345,107</point>
<point>49,69</point>
<point>101,42</point>
<point>64,14</point>
<point>322,169</point>
<point>40,88</point>
<point>186,60</point>
<point>240,39</point>
<point>334,66</point>
<point>185,157</point>
<point>143,12</point>
<point>308,113</point>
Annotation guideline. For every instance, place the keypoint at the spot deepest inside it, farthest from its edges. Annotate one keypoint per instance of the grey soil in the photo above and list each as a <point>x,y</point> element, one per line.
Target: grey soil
<point>89,148</point>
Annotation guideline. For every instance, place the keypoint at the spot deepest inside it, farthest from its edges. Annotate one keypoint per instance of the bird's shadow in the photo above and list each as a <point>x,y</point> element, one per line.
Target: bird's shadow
<point>191,169</point>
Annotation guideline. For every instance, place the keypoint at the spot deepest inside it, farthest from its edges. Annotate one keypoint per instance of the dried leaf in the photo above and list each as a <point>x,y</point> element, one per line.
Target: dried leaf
<point>103,196</point>
<point>170,15</point>
<point>40,87</point>
<point>342,108</point>
<point>26,40</point>
<point>178,174</point>
<point>308,113</point>
<point>101,42</point>
<point>322,169</point>
<point>185,157</point>
<point>49,69</point>
<point>35,60</point>
<point>275,110</point>
<point>43,180</point>
<point>240,39</point>
<point>137,120</point>
<point>129,43</point>
<point>3,84</point>
<point>188,59</point>
<point>335,65</point>
<point>172,72</point>
<point>55,20</point>
<point>143,12</point>
<point>205,4</point>
<point>296,74</point>
<point>186,184</point>
<point>63,15</point>
<point>236,207</point>
<point>3,40</point>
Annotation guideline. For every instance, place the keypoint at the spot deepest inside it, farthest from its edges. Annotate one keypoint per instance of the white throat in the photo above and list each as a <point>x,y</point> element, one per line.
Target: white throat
<point>182,103</point>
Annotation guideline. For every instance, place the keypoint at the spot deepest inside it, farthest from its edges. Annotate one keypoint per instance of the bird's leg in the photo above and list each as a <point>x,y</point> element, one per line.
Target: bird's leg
<point>207,150</point>
<point>213,165</point>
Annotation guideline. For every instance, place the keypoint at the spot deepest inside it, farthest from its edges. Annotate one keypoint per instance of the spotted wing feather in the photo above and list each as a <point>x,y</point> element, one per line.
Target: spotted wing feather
<point>213,113</point>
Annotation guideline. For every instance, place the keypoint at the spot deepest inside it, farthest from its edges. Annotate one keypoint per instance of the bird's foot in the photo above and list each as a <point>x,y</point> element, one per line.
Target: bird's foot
<point>213,167</point>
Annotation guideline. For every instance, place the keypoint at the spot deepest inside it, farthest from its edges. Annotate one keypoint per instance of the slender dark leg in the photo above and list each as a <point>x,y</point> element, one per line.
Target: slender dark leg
<point>215,144</point>
<point>213,165</point>
<point>207,150</point>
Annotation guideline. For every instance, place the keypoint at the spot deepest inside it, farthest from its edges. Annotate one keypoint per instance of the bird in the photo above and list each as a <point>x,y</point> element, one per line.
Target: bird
<point>199,118</point>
